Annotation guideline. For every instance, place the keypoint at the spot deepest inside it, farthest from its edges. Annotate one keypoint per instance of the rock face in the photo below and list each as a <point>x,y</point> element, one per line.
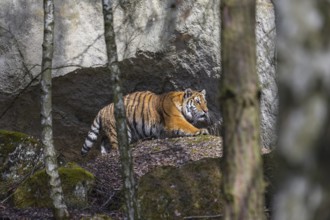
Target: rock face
<point>162,46</point>
<point>21,29</point>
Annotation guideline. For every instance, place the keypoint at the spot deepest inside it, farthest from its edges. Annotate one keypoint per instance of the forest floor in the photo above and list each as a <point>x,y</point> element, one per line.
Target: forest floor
<point>7,212</point>
<point>106,198</point>
<point>106,194</point>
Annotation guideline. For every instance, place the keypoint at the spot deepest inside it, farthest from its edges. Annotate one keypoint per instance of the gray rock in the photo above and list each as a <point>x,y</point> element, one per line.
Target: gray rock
<point>78,36</point>
<point>20,156</point>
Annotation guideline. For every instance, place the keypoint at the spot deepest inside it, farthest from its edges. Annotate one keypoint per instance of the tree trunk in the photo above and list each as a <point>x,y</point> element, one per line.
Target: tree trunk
<point>243,184</point>
<point>56,193</point>
<point>122,138</point>
<point>304,122</point>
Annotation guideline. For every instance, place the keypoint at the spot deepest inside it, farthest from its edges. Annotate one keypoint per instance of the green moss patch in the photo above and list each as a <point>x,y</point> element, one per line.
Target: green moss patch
<point>76,183</point>
<point>175,193</point>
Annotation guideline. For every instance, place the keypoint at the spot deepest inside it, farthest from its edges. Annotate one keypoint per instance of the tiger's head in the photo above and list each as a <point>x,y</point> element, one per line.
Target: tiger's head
<point>194,106</point>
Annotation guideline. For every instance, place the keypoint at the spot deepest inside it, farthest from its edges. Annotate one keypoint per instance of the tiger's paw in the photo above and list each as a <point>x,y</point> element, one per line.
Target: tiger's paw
<point>202,131</point>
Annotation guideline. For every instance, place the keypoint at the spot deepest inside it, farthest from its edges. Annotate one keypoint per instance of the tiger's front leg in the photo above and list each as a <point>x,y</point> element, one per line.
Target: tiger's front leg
<point>182,133</point>
<point>202,131</point>
<point>183,128</point>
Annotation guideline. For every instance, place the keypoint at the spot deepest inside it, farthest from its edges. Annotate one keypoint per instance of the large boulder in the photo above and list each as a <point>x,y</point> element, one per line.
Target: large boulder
<point>178,193</point>
<point>21,35</point>
<point>193,189</point>
<point>176,178</point>
<point>162,46</point>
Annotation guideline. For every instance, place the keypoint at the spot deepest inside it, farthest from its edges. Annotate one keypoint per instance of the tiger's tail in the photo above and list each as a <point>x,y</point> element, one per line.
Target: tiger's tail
<point>92,135</point>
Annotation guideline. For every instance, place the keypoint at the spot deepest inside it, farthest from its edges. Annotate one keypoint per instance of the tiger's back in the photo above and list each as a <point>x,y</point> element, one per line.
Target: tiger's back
<point>143,120</point>
<point>149,115</point>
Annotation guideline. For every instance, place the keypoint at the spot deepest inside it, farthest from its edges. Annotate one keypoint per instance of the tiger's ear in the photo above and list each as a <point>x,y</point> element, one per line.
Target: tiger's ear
<point>203,92</point>
<point>187,93</point>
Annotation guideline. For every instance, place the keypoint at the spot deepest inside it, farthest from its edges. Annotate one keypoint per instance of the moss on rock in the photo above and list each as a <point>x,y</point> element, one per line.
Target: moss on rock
<point>174,193</point>
<point>76,183</point>
<point>20,154</point>
<point>9,141</point>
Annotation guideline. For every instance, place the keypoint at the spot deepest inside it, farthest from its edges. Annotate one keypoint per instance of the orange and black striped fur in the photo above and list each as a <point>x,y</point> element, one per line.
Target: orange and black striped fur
<point>150,115</point>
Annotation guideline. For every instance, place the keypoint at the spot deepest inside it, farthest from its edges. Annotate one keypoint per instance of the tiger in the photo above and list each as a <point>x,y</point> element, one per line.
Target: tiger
<point>149,115</point>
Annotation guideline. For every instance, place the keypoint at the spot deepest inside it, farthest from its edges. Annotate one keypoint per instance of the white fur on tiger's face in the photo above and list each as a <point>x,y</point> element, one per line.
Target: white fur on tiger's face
<point>149,115</point>
<point>195,108</point>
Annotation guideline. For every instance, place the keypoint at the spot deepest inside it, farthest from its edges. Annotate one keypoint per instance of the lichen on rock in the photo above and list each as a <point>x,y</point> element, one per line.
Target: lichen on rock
<point>20,155</point>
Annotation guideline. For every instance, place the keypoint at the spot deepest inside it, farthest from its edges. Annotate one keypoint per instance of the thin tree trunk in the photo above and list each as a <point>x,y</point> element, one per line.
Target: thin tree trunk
<point>243,184</point>
<point>56,193</point>
<point>124,147</point>
<point>304,122</point>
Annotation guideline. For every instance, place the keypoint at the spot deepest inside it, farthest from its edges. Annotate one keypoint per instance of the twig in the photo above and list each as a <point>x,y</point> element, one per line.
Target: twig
<point>108,200</point>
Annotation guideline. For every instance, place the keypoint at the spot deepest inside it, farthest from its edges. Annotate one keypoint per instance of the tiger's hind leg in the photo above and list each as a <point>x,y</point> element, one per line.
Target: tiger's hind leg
<point>105,145</point>
<point>112,141</point>
<point>111,134</point>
